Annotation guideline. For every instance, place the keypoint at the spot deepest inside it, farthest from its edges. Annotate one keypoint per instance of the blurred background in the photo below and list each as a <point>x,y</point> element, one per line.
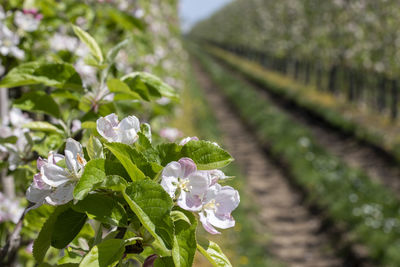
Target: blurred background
<point>305,95</point>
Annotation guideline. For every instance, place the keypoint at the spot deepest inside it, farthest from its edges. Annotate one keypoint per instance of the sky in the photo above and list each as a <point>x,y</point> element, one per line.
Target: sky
<point>191,11</point>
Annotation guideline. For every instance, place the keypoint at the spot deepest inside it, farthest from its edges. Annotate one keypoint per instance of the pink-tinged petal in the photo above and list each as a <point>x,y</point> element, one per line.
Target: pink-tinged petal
<point>106,129</point>
<point>206,225</point>
<point>169,183</point>
<point>171,134</point>
<point>74,155</point>
<point>189,201</point>
<point>222,221</point>
<point>149,261</point>
<point>54,175</point>
<point>173,169</point>
<point>36,195</point>
<point>40,162</point>
<point>61,195</point>
<point>187,139</point>
<point>39,183</point>
<point>199,183</point>
<point>188,166</point>
<point>53,158</point>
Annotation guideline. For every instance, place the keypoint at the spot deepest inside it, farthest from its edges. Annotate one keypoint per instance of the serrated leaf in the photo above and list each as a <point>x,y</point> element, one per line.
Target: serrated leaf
<point>102,208</point>
<point>134,161</point>
<point>185,239</point>
<point>95,173</point>
<point>156,87</point>
<point>42,126</point>
<point>59,75</point>
<point>105,254</point>
<point>94,148</point>
<point>152,205</point>
<point>38,101</point>
<point>206,155</point>
<point>68,224</point>
<point>169,152</point>
<point>177,215</point>
<point>90,42</point>
<point>214,255</point>
<point>42,243</point>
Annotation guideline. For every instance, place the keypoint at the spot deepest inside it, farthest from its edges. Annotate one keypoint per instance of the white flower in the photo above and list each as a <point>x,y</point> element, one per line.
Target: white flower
<point>55,184</point>
<point>63,42</point>
<point>28,20</point>
<point>9,42</point>
<point>10,209</point>
<point>218,204</point>
<point>171,134</point>
<point>192,184</point>
<point>18,150</point>
<point>187,139</point>
<point>114,131</point>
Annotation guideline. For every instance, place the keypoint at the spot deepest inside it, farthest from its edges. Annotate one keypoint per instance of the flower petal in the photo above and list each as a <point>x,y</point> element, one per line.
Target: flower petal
<point>206,225</point>
<point>106,129</point>
<point>189,201</point>
<point>199,183</point>
<point>188,166</point>
<point>73,151</point>
<point>62,194</point>
<point>54,175</point>
<point>169,183</point>
<point>36,195</point>
<point>173,169</point>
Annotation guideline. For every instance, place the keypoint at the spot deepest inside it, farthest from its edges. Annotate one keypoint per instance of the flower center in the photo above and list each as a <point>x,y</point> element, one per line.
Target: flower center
<point>183,184</point>
<point>211,205</point>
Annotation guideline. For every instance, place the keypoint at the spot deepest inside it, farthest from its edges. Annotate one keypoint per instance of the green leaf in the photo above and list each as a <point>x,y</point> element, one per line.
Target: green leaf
<point>103,208</point>
<point>185,239</point>
<point>206,155</point>
<point>117,86</point>
<point>67,226</point>
<point>90,42</point>
<point>125,20</point>
<point>169,152</point>
<point>95,173</point>
<point>112,182</point>
<point>134,161</point>
<point>105,254</point>
<point>94,148</point>
<point>38,101</point>
<point>42,243</point>
<point>43,126</point>
<point>214,255</point>
<point>164,262</point>
<point>152,205</point>
<point>155,85</point>
<point>177,215</point>
<point>59,75</point>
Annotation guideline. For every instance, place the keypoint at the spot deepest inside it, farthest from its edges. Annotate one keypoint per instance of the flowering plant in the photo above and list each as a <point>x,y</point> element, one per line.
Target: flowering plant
<point>102,188</point>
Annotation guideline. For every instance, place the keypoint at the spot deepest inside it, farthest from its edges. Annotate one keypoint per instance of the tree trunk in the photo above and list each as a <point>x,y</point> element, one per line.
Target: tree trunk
<point>332,79</point>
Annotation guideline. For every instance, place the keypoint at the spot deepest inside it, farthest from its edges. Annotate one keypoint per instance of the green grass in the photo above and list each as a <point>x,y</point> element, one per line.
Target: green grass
<point>348,196</point>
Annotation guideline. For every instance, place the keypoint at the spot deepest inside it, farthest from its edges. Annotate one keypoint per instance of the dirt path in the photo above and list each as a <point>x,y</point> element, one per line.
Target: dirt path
<point>376,164</point>
<point>296,236</point>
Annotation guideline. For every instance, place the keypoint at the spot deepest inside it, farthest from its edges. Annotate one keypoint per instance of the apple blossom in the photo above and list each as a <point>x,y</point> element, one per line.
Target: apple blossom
<point>218,204</point>
<point>114,131</point>
<point>55,184</point>
<point>28,20</point>
<point>9,43</point>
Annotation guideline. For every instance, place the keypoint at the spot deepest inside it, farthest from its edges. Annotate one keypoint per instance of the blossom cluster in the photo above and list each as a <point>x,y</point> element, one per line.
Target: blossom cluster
<point>199,191</point>
<point>55,184</point>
